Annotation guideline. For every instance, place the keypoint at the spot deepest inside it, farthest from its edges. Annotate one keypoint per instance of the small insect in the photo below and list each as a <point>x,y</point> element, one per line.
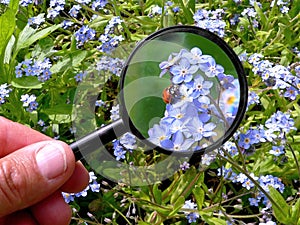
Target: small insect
<point>171,94</point>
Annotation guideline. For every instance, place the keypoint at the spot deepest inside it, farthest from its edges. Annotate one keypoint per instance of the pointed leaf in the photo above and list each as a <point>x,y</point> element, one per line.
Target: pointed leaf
<point>177,205</point>
<point>27,83</point>
<point>262,16</point>
<point>281,209</point>
<point>295,213</point>
<point>157,194</point>
<point>8,50</point>
<point>25,40</point>
<point>199,196</point>
<point>7,24</point>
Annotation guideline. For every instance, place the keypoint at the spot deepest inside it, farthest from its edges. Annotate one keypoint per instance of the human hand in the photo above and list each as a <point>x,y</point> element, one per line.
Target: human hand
<point>34,170</point>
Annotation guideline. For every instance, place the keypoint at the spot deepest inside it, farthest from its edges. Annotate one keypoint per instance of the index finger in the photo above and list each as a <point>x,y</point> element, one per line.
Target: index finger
<point>14,136</point>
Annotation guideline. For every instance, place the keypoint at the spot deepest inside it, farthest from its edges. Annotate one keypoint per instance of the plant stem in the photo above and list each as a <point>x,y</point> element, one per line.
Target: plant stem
<point>118,13</point>
<point>241,216</point>
<point>240,155</point>
<point>85,221</point>
<point>118,211</point>
<point>295,157</point>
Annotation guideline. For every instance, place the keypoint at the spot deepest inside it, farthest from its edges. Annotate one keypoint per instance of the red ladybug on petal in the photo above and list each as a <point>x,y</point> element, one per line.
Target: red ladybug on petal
<point>171,93</point>
<point>166,96</point>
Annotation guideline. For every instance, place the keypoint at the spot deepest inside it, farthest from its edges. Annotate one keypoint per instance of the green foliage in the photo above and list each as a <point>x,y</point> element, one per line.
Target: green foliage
<point>7,24</point>
<point>66,100</point>
<point>287,214</point>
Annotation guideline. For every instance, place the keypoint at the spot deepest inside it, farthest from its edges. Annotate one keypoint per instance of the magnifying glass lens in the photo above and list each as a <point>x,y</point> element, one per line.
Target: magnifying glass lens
<point>183,89</point>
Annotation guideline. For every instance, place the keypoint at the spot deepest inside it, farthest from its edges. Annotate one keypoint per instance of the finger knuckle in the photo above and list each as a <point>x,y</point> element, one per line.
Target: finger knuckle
<point>12,183</point>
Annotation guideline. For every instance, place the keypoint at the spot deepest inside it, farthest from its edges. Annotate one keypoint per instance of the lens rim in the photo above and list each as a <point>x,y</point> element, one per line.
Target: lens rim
<point>241,78</point>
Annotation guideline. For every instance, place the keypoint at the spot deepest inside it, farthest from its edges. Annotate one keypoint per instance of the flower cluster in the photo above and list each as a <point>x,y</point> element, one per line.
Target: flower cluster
<point>29,102</point>
<point>23,3</point>
<point>56,6</point>
<point>99,4</point>
<point>93,186</point>
<point>264,181</point>
<point>275,129</point>
<point>112,65</point>
<point>30,67</point>
<point>195,114</point>
<point>4,92</point>
<point>253,98</point>
<point>230,147</point>
<point>74,10</point>
<point>276,76</point>
<point>211,20</point>
<point>191,216</point>
<point>115,113</point>
<point>108,40</point>
<point>184,166</point>
<point>172,6</point>
<point>126,143</point>
<point>155,10</point>
<point>208,158</point>
<point>84,34</point>
<point>169,6</point>
<point>283,4</point>
<point>36,21</point>
<point>280,122</point>
<point>249,12</point>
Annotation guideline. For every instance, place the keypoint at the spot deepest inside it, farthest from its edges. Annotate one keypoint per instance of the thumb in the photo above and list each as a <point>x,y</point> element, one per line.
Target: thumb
<point>32,173</point>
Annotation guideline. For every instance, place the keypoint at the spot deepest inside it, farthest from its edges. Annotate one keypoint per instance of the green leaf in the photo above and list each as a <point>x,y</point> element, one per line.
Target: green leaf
<point>63,109</point>
<point>261,14</point>
<point>70,60</point>
<point>43,49</point>
<point>143,223</point>
<point>7,24</point>
<point>295,212</point>
<point>77,57</point>
<point>192,6</point>
<point>214,221</point>
<point>27,83</point>
<point>61,65</point>
<point>25,40</point>
<point>281,209</point>
<point>188,8</point>
<point>183,185</point>
<point>24,35</point>
<point>7,27</point>
<point>160,209</point>
<point>157,194</point>
<point>60,118</point>
<point>9,49</point>
<point>177,205</point>
<point>199,196</point>
<point>14,5</point>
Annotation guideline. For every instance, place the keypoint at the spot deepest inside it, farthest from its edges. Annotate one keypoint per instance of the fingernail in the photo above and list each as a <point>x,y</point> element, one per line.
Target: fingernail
<point>51,160</point>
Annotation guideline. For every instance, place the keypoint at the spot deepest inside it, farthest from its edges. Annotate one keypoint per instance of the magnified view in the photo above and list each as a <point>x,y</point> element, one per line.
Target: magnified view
<point>182,91</point>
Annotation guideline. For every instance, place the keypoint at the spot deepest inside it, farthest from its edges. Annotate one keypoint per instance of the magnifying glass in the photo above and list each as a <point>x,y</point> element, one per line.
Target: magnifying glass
<point>182,91</point>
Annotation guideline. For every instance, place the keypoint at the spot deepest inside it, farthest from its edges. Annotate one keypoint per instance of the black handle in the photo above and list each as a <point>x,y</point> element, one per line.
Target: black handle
<point>97,139</point>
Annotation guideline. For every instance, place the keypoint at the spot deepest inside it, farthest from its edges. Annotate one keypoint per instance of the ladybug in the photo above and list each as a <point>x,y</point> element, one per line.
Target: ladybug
<point>166,96</point>
<point>171,93</point>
